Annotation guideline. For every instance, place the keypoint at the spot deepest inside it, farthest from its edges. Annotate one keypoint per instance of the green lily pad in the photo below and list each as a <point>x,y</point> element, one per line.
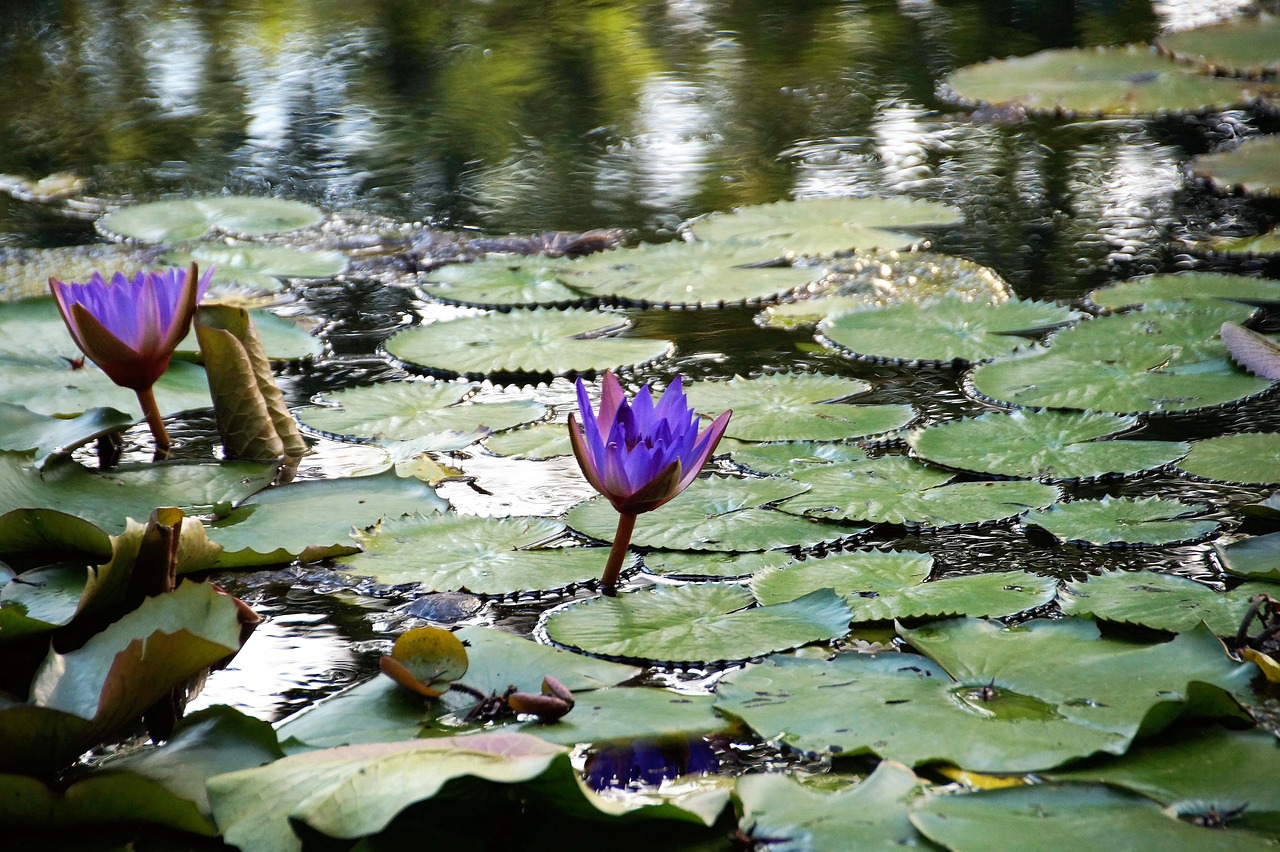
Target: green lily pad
<point>192,218</point>
<point>879,280</point>
<point>1098,81</point>
<point>689,275</point>
<point>1124,522</point>
<point>1268,243</point>
<point>260,267</point>
<point>503,282</point>
<point>879,586</point>
<point>695,625</point>
<point>1044,445</point>
<point>701,565</point>
<point>949,330</point>
<point>986,701</point>
<point>630,713</point>
<point>69,391</point>
<point>869,815</point>
<point>784,458</point>
<point>716,513</point>
<point>22,429</point>
<point>1257,557</point>
<point>1159,601</point>
<point>1241,46</point>
<point>91,804</point>
<point>436,416</point>
<point>537,342</point>
<point>311,520</point>
<point>1242,457</point>
<point>825,226</point>
<point>1253,168</point>
<point>797,406</point>
<point>283,339</point>
<point>47,530</point>
<point>1263,292</point>
<point>1050,816</point>
<point>539,441</point>
<point>899,490</point>
<point>106,499</point>
<point>483,556</point>
<point>46,598</point>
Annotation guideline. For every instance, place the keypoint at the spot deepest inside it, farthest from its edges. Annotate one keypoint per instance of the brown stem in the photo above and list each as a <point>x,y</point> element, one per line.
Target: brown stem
<point>621,540</point>
<point>151,411</point>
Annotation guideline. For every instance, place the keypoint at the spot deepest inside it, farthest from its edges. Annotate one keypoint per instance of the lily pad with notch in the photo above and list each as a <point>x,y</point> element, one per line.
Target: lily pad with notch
<point>260,267</point>
<point>782,458</point>
<point>1158,601</point>
<point>1257,557</point>
<point>706,564</point>
<point>1245,457</point>
<point>1125,522</point>
<point>537,441</point>
<point>500,282</point>
<point>24,430</point>
<point>1261,292</point>
<point>525,343</point>
<point>191,218</point>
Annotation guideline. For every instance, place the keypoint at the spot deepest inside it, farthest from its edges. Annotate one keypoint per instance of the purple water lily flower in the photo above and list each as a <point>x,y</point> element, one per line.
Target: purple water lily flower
<point>639,455</point>
<point>130,326</point>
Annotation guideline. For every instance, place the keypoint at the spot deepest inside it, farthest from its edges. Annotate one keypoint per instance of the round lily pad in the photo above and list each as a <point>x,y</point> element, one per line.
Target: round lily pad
<point>949,330</point>
<point>1124,522</point>
<point>191,218</point>
<point>483,556</point>
<point>426,660</point>
<point>695,625</point>
<point>717,513</point>
<point>502,282</point>
<point>1268,243</point>
<point>702,564</point>
<point>539,441</point>
<point>688,274</point>
<point>1253,167</point>
<point>436,415</point>
<point>1243,457</point>
<point>799,407</point>
<point>1257,557</point>
<point>1044,445</point>
<point>784,458</point>
<point>1159,601</point>
<point>260,267</point>
<point>1245,46</point>
<point>1262,292</point>
<point>537,342</point>
<point>1099,81</point>
<point>825,226</point>
<point>899,490</point>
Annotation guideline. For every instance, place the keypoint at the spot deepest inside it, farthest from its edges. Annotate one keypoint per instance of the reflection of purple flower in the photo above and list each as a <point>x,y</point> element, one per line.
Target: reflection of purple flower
<point>130,327</point>
<point>647,761</point>
<point>639,455</point>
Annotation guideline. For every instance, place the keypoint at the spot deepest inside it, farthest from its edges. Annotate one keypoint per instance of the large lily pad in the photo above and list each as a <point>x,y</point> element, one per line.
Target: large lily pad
<point>260,267</point>
<point>1266,243</point>
<point>1242,457</point>
<point>1100,81</point>
<point>1257,557</point>
<point>695,625</point>
<point>1160,601</point>
<point>784,458</point>
<point>946,331</point>
<point>70,390</point>
<point>504,282</point>
<point>191,218</point>
<point>716,513</point>
<point>824,226</point>
<point>899,490</point>
<point>880,586</point>
<point>703,564</point>
<point>539,441</point>
<point>1124,522</point>
<point>689,274</point>
<point>484,556</point>
<point>436,416</point>
<point>538,342</point>
<point>1241,46</point>
<point>1051,816</point>
<point>1188,285</point>
<point>22,429</point>
<point>46,598</point>
<point>986,701</point>
<point>800,407</point>
<point>1044,445</point>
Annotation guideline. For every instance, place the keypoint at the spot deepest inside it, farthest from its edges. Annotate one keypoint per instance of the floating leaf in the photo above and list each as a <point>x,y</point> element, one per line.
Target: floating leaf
<point>986,701</point>
<point>800,407</point>
<point>46,598</point>
<point>685,565</point>
<point>89,805</point>
<point>824,226</point>
<point>1241,46</point>
<point>434,415</point>
<point>503,282</point>
<point>192,218</point>
<point>537,342</point>
<point>695,625</point>
<point>716,513</point>
<point>1044,445</point>
<point>1124,522</point>
<point>1257,557</point>
<point>1187,285</point>
<point>1242,457</point>
<point>1051,816</point>
<point>260,267</point>
<point>631,713</point>
<point>945,331</point>
<point>1268,243</point>
<point>484,556</point>
<point>426,661</point>
<point>1100,81</point>
<point>23,429</point>
<point>539,441</point>
<point>785,458</point>
<point>1159,601</point>
<point>899,490</point>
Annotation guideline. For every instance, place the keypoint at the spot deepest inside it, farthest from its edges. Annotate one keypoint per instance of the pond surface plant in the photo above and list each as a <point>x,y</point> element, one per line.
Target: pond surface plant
<point>986,555</point>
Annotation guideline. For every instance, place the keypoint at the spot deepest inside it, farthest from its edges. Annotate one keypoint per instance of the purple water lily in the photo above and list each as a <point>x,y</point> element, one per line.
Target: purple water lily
<point>639,455</point>
<point>130,326</point>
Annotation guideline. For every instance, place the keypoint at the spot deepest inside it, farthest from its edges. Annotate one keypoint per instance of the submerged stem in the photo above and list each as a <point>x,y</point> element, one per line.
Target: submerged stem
<point>621,540</point>
<point>147,399</point>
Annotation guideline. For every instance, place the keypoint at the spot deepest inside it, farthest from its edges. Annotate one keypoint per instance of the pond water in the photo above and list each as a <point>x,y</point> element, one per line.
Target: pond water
<point>508,117</point>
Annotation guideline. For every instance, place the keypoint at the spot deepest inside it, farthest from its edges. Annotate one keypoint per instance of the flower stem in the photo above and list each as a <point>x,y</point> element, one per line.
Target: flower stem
<point>151,411</point>
<point>621,540</point>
